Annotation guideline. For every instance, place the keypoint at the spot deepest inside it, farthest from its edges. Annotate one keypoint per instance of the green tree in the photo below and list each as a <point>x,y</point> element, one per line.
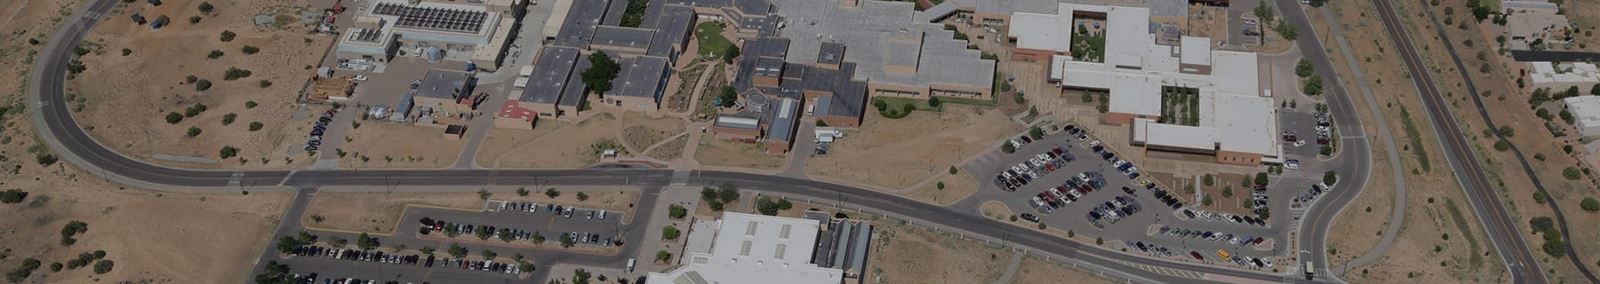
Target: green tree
<point>102,266</point>
<point>1035,132</point>
<point>214,54</point>
<point>193,131</point>
<point>1263,12</point>
<point>1330,177</point>
<point>228,35</point>
<point>732,52</point>
<point>580,276</point>
<point>488,254</point>
<point>1313,86</point>
<point>202,85</point>
<point>1572,173</point>
<point>662,256</point>
<point>1208,180</point>
<point>1303,68</point>
<point>669,233</point>
<point>1008,147</point>
<point>583,196</point>
<point>457,251</point>
<point>567,240</point>
<point>174,118</point>
<point>366,242</point>
<point>1261,179</point>
<point>427,250</point>
<point>770,207</point>
<point>522,191</point>
<point>727,96</point>
<point>12,196</point>
<point>934,102</point>
<point>228,152</point>
<point>727,192</point>
<point>552,192</point>
<point>1590,204</point>
<point>205,7</point>
<point>602,69</point>
<point>249,49</point>
<point>256,125</point>
<point>677,212</point>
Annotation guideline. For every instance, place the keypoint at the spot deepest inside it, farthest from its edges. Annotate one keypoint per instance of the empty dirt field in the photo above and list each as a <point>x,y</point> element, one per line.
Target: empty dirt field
<point>1036,270</point>
<point>557,144</point>
<point>728,153</point>
<point>910,254</point>
<point>377,212</point>
<point>670,150</point>
<point>898,153</point>
<point>383,144</point>
<point>135,77</point>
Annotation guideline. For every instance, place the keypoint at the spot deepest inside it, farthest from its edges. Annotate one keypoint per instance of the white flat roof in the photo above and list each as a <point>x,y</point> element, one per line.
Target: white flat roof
<point>1586,110</point>
<point>1195,50</point>
<point>755,249</point>
<point>1246,124</point>
<point>1175,136</point>
<point>1570,73</point>
<point>1131,92</point>
<point>1234,72</point>
<point>1042,31</point>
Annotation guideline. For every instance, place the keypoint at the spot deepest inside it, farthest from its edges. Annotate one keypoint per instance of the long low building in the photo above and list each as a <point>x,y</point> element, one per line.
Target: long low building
<point>1181,98</point>
<point>480,32</point>
<point>1559,77</point>
<point>748,248</point>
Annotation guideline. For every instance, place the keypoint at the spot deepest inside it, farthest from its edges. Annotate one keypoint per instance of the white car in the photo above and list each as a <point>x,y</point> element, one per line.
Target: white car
<point>360,78</point>
<point>1291,164</point>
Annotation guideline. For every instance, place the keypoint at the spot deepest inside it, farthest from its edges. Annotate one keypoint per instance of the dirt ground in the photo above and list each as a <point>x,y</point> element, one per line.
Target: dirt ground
<point>670,150</point>
<point>377,212</point>
<point>1497,88</point>
<point>897,153</point>
<point>956,187</point>
<point>1429,221</point>
<point>995,210</point>
<point>556,144</point>
<point>1584,16</point>
<point>382,144</point>
<point>727,153</point>
<point>1036,270</point>
<point>1206,21</point>
<point>216,241</point>
<point>902,254</point>
<point>126,98</point>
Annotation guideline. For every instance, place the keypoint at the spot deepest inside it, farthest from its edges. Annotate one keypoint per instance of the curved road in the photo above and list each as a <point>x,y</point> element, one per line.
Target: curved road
<point>61,132</point>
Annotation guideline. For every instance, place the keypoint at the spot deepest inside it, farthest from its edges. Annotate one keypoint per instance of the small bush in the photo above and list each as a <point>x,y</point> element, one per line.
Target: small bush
<point>265,83</point>
<point>249,104</point>
<point>14,196</point>
<point>1572,173</point>
<point>228,118</point>
<point>194,110</point>
<point>214,54</point>
<point>235,73</point>
<point>255,125</point>
<point>126,52</point>
<point>174,118</point>
<point>228,152</point>
<point>205,7</point>
<point>202,85</point>
<point>249,50</point>
<point>194,131</point>
<point>228,36</point>
<point>194,20</point>
<point>102,266</point>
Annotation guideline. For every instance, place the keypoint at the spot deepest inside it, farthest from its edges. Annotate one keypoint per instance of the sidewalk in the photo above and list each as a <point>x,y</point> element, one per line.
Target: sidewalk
<point>686,196</point>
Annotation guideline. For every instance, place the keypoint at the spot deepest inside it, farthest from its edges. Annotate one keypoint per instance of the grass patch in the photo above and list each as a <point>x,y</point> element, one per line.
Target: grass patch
<point>1461,226</point>
<point>712,43</point>
<point>1179,106</point>
<point>1414,138</point>
<point>1087,46</point>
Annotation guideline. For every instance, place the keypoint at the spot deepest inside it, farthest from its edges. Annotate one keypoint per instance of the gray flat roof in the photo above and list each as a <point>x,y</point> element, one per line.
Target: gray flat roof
<point>580,22</point>
<point>614,12</point>
<point>642,77</point>
<point>622,37</point>
<point>444,84</point>
<point>785,115</point>
<point>831,53</point>
<point>672,26</point>
<point>576,91</point>
<point>879,34</point>
<point>550,75</point>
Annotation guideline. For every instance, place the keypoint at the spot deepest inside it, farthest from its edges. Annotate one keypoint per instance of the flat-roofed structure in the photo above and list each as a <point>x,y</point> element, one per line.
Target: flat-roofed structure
<point>1586,113</point>
<point>640,84</point>
<point>547,83</point>
<point>438,88</point>
<point>1233,119</point>
<point>479,32</point>
<point>1559,77</point>
<point>895,54</point>
<point>1535,25</point>
<point>751,248</point>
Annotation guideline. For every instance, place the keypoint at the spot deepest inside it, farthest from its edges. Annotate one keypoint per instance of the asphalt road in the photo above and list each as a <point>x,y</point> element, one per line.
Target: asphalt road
<point>1498,224</point>
<point>61,132</point>
<point>1568,56</point>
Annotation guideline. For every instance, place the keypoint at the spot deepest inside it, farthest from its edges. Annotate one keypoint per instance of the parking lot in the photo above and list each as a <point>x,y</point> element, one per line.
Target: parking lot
<point>506,228</point>
<point>1092,191</point>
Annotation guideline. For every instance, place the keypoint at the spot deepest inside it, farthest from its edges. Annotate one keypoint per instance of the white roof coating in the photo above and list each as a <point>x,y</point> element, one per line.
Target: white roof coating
<point>1131,91</point>
<point>874,34</point>
<point>1177,136</point>
<point>1246,124</point>
<point>1586,109</point>
<point>1569,73</point>
<point>1195,50</point>
<point>1042,31</point>
<point>1126,27</point>
<point>755,249</point>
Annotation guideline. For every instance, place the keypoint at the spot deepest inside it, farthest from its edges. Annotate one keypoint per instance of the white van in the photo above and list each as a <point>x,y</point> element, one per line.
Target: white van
<point>630,265</point>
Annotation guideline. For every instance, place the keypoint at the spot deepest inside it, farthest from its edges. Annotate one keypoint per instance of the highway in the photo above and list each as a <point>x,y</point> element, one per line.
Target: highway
<point>1481,193</point>
<point>62,134</point>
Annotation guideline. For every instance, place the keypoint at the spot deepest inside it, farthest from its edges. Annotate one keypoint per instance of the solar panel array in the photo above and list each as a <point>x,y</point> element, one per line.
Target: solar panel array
<point>367,35</point>
<point>442,19</point>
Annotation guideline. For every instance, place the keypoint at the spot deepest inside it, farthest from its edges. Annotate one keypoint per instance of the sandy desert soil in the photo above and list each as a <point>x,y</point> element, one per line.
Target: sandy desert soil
<point>149,236</point>
<point>377,212</point>
<point>1498,90</point>
<point>727,153</point>
<point>124,99</point>
<point>556,144</point>
<point>669,151</point>
<point>901,255</point>
<point>1460,255</point>
<point>956,187</point>
<point>382,144</point>
<point>897,153</point>
<point>1036,270</point>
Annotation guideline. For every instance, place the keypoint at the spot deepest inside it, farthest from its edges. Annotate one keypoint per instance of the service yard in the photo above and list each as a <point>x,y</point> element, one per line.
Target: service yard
<point>165,96</point>
<point>898,153</point>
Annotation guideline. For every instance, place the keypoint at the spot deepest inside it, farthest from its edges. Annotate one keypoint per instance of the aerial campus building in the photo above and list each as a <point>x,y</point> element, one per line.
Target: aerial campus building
<point>798,57</point>
<point>748,248</point>
<point>478,33</point>
<point>1185,98</point>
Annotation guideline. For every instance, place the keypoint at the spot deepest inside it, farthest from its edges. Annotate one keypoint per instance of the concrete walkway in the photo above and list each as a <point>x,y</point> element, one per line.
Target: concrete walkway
<point>1397,214</point>
<point>1011,269</point>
